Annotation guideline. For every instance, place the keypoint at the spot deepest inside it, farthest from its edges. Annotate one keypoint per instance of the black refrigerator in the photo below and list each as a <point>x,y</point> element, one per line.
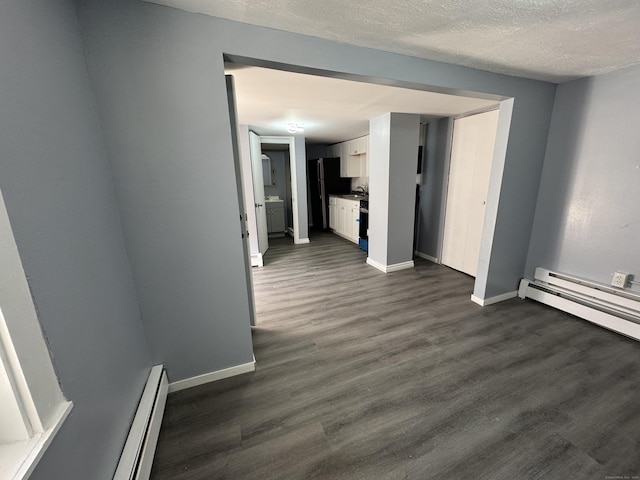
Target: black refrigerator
<point>324,179</point>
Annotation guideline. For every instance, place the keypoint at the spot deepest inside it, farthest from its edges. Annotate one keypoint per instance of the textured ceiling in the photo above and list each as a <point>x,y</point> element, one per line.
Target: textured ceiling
<point>552,40</point>
<point>329,109</point>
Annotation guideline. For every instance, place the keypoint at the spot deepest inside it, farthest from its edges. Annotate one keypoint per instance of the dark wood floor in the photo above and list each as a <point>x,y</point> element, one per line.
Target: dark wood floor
<point>365,375</point>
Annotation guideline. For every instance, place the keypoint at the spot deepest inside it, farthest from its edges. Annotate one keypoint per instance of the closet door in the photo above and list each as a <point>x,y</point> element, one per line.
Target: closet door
<point>471,157</point>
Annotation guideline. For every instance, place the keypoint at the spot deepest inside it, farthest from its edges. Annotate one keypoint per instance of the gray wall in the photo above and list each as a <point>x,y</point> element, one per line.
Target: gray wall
<point>158,77</point>
<point>160,87</point>
<point>59,195</point>
<point>393,141</point>
<point>315,150</point>
<point>435,170</point>
<point>587,220</point>
<point>278,163</point>
<point>301,183</point>
<point>404,133</point>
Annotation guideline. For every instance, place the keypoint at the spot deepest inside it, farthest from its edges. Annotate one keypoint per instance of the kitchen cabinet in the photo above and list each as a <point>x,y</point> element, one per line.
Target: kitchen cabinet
<point>354,223</point>
<point>344,217</point>
<point>341,220</point>
<point>275,217</point>
<point>353,156</point>
<point>358,146</point>
<point>349,166</point>
<point>334,150</point>
<point>332,212</point>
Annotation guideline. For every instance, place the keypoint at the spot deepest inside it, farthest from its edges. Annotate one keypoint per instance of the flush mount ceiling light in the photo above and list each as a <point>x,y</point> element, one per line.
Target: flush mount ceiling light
<point>293,127</point>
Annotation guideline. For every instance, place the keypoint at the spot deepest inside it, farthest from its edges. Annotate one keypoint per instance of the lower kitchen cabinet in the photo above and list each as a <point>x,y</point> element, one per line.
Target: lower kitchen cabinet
<point>333,211</point>
<point>344,217</point>
<point>355,223</point>
<point>275,217</point>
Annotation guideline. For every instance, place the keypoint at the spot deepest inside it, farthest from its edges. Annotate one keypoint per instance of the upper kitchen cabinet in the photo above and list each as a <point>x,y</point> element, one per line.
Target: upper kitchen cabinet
<point>353,156</point>
<point>358,146</point>
<point>334,150</point>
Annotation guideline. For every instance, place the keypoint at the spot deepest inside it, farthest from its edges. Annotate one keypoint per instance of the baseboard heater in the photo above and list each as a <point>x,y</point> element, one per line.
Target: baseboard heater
<point>137,456</point>
<point>609,307</point>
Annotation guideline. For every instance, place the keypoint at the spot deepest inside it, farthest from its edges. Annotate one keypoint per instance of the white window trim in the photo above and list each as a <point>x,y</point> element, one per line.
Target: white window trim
<point>29,384</point>
<point>19,459</point>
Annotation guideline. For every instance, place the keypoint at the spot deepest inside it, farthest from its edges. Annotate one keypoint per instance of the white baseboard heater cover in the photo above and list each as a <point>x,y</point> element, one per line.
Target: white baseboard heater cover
<point>609,307</point>
<point>137,456</point>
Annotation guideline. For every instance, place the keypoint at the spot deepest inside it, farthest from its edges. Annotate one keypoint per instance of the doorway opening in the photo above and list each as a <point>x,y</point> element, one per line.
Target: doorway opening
<point>276,170</point>
<point>505,105</point>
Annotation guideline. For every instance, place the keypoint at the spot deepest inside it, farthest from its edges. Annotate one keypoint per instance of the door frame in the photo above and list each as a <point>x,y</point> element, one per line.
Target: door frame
<point>240,187</point>
<point>506,102</point>
<point>257,184</point>
<point>493,197</point>
<point>294,184</point>
<point>447,238</point>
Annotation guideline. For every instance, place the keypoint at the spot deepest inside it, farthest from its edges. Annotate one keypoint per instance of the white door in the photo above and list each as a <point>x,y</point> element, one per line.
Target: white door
<point>240,181</point>
<point>471,157</point>
<point>258,192</point>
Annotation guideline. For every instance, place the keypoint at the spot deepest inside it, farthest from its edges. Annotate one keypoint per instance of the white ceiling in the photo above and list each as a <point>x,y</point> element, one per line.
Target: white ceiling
<point>329,109</point>
<point>552,40</point>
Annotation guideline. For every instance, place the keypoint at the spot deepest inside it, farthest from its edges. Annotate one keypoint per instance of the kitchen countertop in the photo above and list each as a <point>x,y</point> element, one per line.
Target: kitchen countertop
<point>350,196</point>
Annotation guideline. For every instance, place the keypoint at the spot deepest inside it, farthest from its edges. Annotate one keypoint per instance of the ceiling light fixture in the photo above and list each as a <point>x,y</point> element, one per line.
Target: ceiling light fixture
<point>293,127</point>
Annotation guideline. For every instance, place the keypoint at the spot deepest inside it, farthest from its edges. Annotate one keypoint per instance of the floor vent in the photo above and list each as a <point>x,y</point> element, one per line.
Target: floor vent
<point>607,306</point>
<point>137,455</point>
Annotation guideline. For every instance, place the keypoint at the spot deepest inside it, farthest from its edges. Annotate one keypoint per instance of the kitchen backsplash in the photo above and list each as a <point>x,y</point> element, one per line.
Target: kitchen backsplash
<point>355,182</point>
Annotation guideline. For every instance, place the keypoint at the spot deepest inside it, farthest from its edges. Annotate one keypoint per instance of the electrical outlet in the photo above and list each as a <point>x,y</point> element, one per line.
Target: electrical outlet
<point>620,279</point>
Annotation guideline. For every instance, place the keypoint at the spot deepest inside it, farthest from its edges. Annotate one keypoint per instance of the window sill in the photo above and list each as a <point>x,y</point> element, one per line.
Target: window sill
<point>19,459</point>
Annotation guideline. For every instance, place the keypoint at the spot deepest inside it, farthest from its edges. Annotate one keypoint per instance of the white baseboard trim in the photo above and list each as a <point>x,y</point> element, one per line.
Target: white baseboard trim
<point>400,266</point>
<point>139,449</point>
<point>376,265</point>
<point>153,431</point>
<point>483,302</point>
<point>390,268</point>
<point>212,376</point>
<point>301,241</point>
<point>426,257</point>
<point>257,260</point>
